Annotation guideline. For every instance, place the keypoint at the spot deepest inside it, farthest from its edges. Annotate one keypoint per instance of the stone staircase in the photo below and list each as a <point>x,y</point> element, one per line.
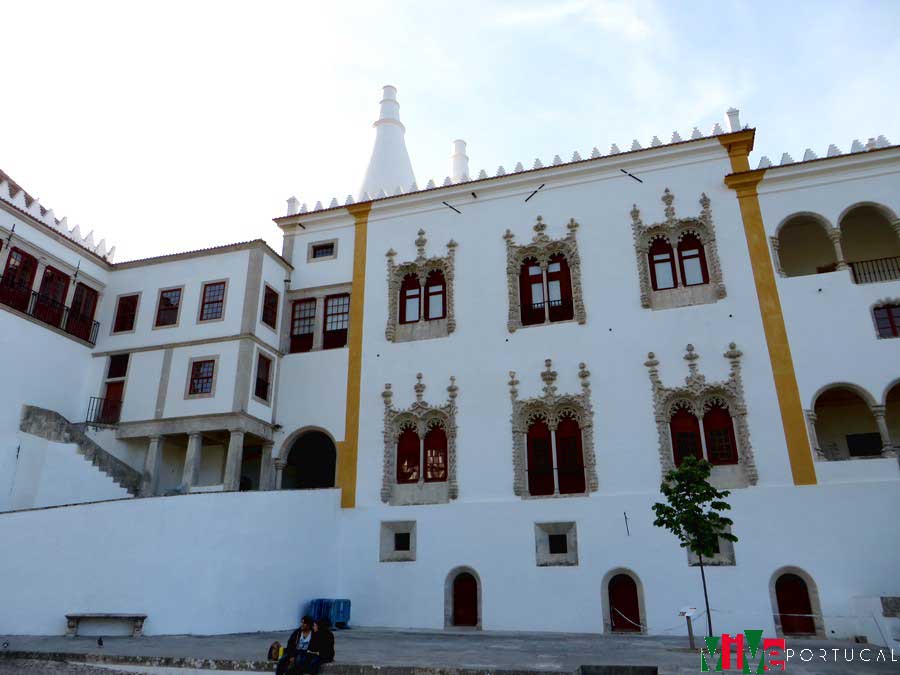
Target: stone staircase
<point>52,426</point>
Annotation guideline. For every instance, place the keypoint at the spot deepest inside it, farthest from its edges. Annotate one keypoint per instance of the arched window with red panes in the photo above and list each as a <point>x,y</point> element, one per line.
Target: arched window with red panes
<point>685,432</point>
<point>435,447</point>
<point>540,459</point>
<point>569,457</point>
<point>692,261</point>
<point>531,292</point>
<point>718,430</point>
<point>661,259</point>
<point>435,296</point>
<point>410,299</point>
<point>559,289</point>
<point>408,456</point>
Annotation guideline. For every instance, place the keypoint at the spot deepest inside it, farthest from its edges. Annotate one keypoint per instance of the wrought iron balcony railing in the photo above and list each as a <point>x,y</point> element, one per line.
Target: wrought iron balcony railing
<point>873,271</point>
<point>47,310</point>
<point>103,411</point>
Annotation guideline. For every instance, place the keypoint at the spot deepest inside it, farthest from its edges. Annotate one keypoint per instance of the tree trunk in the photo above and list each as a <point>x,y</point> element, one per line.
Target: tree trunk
<point>705,596</point>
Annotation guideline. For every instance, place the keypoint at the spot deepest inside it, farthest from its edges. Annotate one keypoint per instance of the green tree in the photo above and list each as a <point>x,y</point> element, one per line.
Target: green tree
<point>692,513</point>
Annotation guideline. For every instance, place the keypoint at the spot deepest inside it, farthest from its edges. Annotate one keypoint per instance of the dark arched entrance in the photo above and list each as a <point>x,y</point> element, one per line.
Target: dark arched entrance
<point>465,600</point>
<point>624,608</point>
<point>794,606</point>
<point>310,463</point>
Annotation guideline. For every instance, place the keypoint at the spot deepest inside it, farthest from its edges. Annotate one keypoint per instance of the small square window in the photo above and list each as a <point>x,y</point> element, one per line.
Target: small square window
<point>323,250</point>
<point>401,541</point>
<point>724,556</point>
<point>118,366</point>
<point>126,312</point>
<point>202,377</point>
<point>558,544</point>
<point>167,310</point>
<point>318,251</point>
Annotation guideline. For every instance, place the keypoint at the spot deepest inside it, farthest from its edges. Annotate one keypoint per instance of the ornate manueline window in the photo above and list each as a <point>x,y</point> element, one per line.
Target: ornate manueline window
<point>707,420</point>
<point>544,279</point>
<point>419,449</point>
<point>553,447</point>
<point>697,277</point>
<point>420,295</point>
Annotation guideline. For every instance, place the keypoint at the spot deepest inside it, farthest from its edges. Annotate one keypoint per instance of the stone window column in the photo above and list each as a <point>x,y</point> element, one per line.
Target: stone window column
<point>887,448</point>
<point>266,477</point>
<point>150,477</point>
<point>896,225</point>
<point>233,461</point>
<point>39,275</point>
<point>279,470</point>
<point>835,235</point>
<point>811,420</point>
<point>191,462</point>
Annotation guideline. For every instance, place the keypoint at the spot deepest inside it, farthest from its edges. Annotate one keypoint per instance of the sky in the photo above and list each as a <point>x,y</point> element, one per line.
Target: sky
<point>170,126</point>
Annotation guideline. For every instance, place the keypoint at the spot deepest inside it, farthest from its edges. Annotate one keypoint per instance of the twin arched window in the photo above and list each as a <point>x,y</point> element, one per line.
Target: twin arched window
<point>429,303</point>
<point>566,474</point>
<point>413,453</point>
<point>545,293</point>
<point>692,269</point>
<point>718,434</point>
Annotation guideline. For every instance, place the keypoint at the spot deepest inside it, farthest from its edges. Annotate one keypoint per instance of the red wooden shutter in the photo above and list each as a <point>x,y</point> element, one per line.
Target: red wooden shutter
<point>692,261</point>
<point>558,274</point>
<point>662,261</point>
<point>435,455</point>
<point>540,459</point>
<point>435,296</point>
<point>718,429</point>
<point>18,279</point>
<point>81,314</point>
<point>50,302</point>
<point>410,299</point>
<point>685,430</point>
<point>569,457</point>
<point>532,307</point>
<point>408,457</point>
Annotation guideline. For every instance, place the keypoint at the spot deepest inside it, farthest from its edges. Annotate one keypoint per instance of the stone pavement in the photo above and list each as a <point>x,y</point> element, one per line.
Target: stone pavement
<point>368,650</point>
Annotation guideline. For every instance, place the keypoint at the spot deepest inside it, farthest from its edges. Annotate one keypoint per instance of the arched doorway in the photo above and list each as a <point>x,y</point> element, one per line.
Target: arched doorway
<point>624,605</point>
<point>804,246</point>
<point>462,598</point>
<point>310,463</point>
<point>794,606</point>
<point>845,425</point>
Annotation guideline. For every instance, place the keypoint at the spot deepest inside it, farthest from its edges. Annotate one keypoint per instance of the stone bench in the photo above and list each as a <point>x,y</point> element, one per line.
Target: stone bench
<point>137,622</point>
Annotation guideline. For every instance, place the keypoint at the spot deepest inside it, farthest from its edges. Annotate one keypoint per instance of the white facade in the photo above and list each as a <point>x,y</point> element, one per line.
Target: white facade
<point>323,421</point>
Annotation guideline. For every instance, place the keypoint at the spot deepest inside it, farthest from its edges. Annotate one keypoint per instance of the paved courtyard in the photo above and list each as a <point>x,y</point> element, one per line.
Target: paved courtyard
<point>402,651</point>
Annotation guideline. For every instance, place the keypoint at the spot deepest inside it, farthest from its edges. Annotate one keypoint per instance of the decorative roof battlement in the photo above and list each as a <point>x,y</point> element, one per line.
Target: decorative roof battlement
<point>809,155</point>
<point>12,193</point>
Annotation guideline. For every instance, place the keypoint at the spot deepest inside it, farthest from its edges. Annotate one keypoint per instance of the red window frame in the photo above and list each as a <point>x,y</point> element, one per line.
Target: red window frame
<point>887,321</point>
<point>540,459</point>
<point>435,287</point>
<point>50,302</point>
<point>532,313</point>
<point>263,377</point>
<point>117,367</point>
<point>126,313</point>
<point>81,314</point>
<point>203,375</point>
<point>435,455</point>
<point>337,321</point>
<point>691,247</point>
<point>409,290</point>
<point>212,301</point>
<point>408,457</point>
<point>303,325</point>
<point>569,457</point>
<point>718,429</point>
<point>685,434</point>
<point>168,307</point>
<point>270,307</point>
<point>18,279</point>
<point>562,309</point>
<point>661,247</point>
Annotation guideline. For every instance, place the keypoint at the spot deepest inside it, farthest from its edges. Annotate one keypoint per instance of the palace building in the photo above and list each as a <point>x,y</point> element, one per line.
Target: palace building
<point>454,404</point>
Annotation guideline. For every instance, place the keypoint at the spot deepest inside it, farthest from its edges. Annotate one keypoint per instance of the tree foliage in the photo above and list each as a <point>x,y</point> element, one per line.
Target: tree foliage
<point>692,513</point>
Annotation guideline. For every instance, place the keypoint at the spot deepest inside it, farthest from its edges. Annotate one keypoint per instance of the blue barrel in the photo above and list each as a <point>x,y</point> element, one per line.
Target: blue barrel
<point>319,608</point>
<point>340,613</point>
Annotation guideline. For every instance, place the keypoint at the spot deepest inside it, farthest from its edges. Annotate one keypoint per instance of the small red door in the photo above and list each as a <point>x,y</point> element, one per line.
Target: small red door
<point>465,600</point>
<point>624,611</point>
<point>794,605</point>
<point>112,403</point>
<point>49,304</point>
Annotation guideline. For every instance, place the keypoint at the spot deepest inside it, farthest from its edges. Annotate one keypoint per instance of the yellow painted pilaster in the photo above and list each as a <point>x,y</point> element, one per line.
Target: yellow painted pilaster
<point>744,182</point>
<point>348,448</point>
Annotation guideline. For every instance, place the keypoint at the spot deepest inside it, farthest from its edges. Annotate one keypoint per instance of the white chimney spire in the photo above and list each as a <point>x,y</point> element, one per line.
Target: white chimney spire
<point>389,164</point>
<point>459,162</point>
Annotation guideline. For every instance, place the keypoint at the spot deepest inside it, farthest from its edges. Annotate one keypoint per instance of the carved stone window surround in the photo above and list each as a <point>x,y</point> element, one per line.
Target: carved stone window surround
<point>421,267</point>
<point>542,248</point>
<point>673,230</point>
<point>698,396</point>
<point>552,407</point>
<point>420,416</point>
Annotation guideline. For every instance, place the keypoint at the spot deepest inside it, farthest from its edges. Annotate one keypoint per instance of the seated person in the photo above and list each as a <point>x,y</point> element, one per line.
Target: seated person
<point>297,645</point>
<point>321,649</point>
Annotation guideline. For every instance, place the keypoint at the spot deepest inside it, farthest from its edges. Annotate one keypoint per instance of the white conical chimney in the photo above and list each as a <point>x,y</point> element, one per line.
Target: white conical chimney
<point>459,162</point>
<point>389,164</point>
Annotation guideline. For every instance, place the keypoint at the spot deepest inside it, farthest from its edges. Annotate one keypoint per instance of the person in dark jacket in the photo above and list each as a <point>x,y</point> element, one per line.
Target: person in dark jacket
<point>321,648</point>
<point>296,648</point>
